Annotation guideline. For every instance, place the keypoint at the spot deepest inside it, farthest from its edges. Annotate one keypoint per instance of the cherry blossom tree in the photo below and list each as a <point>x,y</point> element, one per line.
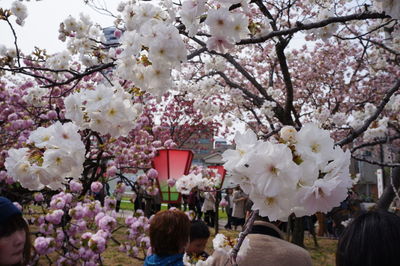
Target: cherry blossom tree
<point>323,74</point>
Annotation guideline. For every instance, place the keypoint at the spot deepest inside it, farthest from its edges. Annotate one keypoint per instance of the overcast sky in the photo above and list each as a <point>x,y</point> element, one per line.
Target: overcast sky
<point>44,18</point>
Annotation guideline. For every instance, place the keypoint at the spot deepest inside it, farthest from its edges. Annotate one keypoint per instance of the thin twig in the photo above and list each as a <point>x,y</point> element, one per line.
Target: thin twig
<point>248,226</point>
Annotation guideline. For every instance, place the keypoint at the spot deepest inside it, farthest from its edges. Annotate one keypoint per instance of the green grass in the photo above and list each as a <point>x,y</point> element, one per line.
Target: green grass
<point>324,255</point>
<point>127,205</point>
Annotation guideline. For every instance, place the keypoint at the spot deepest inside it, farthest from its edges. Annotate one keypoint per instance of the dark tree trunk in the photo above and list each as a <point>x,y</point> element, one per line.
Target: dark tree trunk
<point>388,194</point>
<point>298,231</point>
<point>216,219</point>
<point>311,229</point>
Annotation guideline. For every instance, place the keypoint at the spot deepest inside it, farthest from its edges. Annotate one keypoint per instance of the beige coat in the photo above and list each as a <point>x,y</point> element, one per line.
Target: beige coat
<point>238,205</point>
<point>267,250</point>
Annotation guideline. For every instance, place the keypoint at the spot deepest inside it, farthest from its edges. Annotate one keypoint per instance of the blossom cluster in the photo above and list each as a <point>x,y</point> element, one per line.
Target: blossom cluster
<point>137,235</point>
<point>203,179</point>
<point>221,244</point>
<point>300,173</point>
<point>226,27</point>
<point>83,228</point>
<point>54,154</point>
<point>326,32</point>
<point>377,129</point>
<point>148,26</point>
<point>59,60</point>
<point>85,39</point>
<point>197,261</point>
<point>107,110</point>
<point>19,10</point>
<point>34,96</point>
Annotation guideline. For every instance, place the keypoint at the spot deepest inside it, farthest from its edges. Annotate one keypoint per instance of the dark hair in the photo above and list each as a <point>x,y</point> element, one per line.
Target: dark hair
<point>199,230</point>
<point>371,239</point>
<point>169,232</point>
<point>15,223</point>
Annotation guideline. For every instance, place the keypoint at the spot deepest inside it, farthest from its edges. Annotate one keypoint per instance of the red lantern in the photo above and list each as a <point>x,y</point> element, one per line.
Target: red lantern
<point>221,171</point>
<point>171,163</point>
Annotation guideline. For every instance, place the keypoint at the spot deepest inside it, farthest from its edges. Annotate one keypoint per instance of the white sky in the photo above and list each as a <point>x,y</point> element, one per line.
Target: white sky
<point>44,17</point>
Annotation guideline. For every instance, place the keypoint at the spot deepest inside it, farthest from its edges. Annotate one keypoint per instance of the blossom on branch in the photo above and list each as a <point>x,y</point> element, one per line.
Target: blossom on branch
<point>303,173</point>
<point>57,153</point>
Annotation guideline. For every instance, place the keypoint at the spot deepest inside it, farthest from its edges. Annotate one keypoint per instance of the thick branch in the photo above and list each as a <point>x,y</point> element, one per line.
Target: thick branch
<point>372,118</point>
<point>80,76</point>
<point>196,53</point>
<point>376,142</point>
<point>388,194</point>
<point>280,47</point>
<point>375,162</point>
<point>300,26</point>
<point>245,73</point>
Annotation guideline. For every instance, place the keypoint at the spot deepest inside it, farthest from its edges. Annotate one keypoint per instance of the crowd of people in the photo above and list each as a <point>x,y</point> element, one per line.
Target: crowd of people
<point>203,204</point>
<point>371,239</point>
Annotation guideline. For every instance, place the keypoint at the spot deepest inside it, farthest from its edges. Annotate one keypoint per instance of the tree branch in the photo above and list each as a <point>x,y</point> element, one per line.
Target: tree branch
<point>279,48</point>
<point>391,191</point>
<point>375,162</point>
<point>376,142</point>
<point>373,117</point>
<point>300,26</point>
<point>15,41</point>
<point>248,226</point>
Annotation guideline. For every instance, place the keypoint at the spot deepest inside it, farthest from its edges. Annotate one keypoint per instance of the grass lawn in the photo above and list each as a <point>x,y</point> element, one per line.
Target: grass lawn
<point>324,255</point>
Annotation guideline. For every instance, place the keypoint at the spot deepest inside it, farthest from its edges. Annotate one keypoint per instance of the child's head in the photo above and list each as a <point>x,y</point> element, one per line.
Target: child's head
<point>199,235</point>
<point>169,232</point>
<point>15,243</point>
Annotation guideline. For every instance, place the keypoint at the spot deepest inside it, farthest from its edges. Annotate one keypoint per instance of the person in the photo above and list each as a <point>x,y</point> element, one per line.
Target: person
<point>199,234</point>
<point>118,196</point>
<point>169,235</point>
<point>371,239</point>
<point>15,244</point>
<point>139,201</point>
<point>238,211</point>
<point>265,245</point>
<point>229,199</point>
<point>194,202</point>
<point>185,202</point>
<point>208,208</point>
<point>156,203</point>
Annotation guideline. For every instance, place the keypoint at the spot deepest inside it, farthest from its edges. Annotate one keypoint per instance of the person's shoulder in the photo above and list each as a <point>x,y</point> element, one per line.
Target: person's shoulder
<point>281,252</point>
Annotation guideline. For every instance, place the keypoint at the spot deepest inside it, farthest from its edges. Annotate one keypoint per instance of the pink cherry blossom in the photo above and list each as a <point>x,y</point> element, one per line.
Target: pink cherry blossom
<point>96,187</point>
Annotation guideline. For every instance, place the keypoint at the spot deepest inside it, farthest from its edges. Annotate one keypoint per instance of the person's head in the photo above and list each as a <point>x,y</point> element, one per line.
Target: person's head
<point>15,245</point>
<point>169,232</point>
<point>199,235</point>
<point>229,191</point>
<point>373,238</point>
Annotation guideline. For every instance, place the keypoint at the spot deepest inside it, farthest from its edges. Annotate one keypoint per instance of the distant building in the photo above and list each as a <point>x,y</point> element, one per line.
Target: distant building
<point>201,143</point>
<point>367,186</point>
<point>110,36</point>
<point>205,147</point>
